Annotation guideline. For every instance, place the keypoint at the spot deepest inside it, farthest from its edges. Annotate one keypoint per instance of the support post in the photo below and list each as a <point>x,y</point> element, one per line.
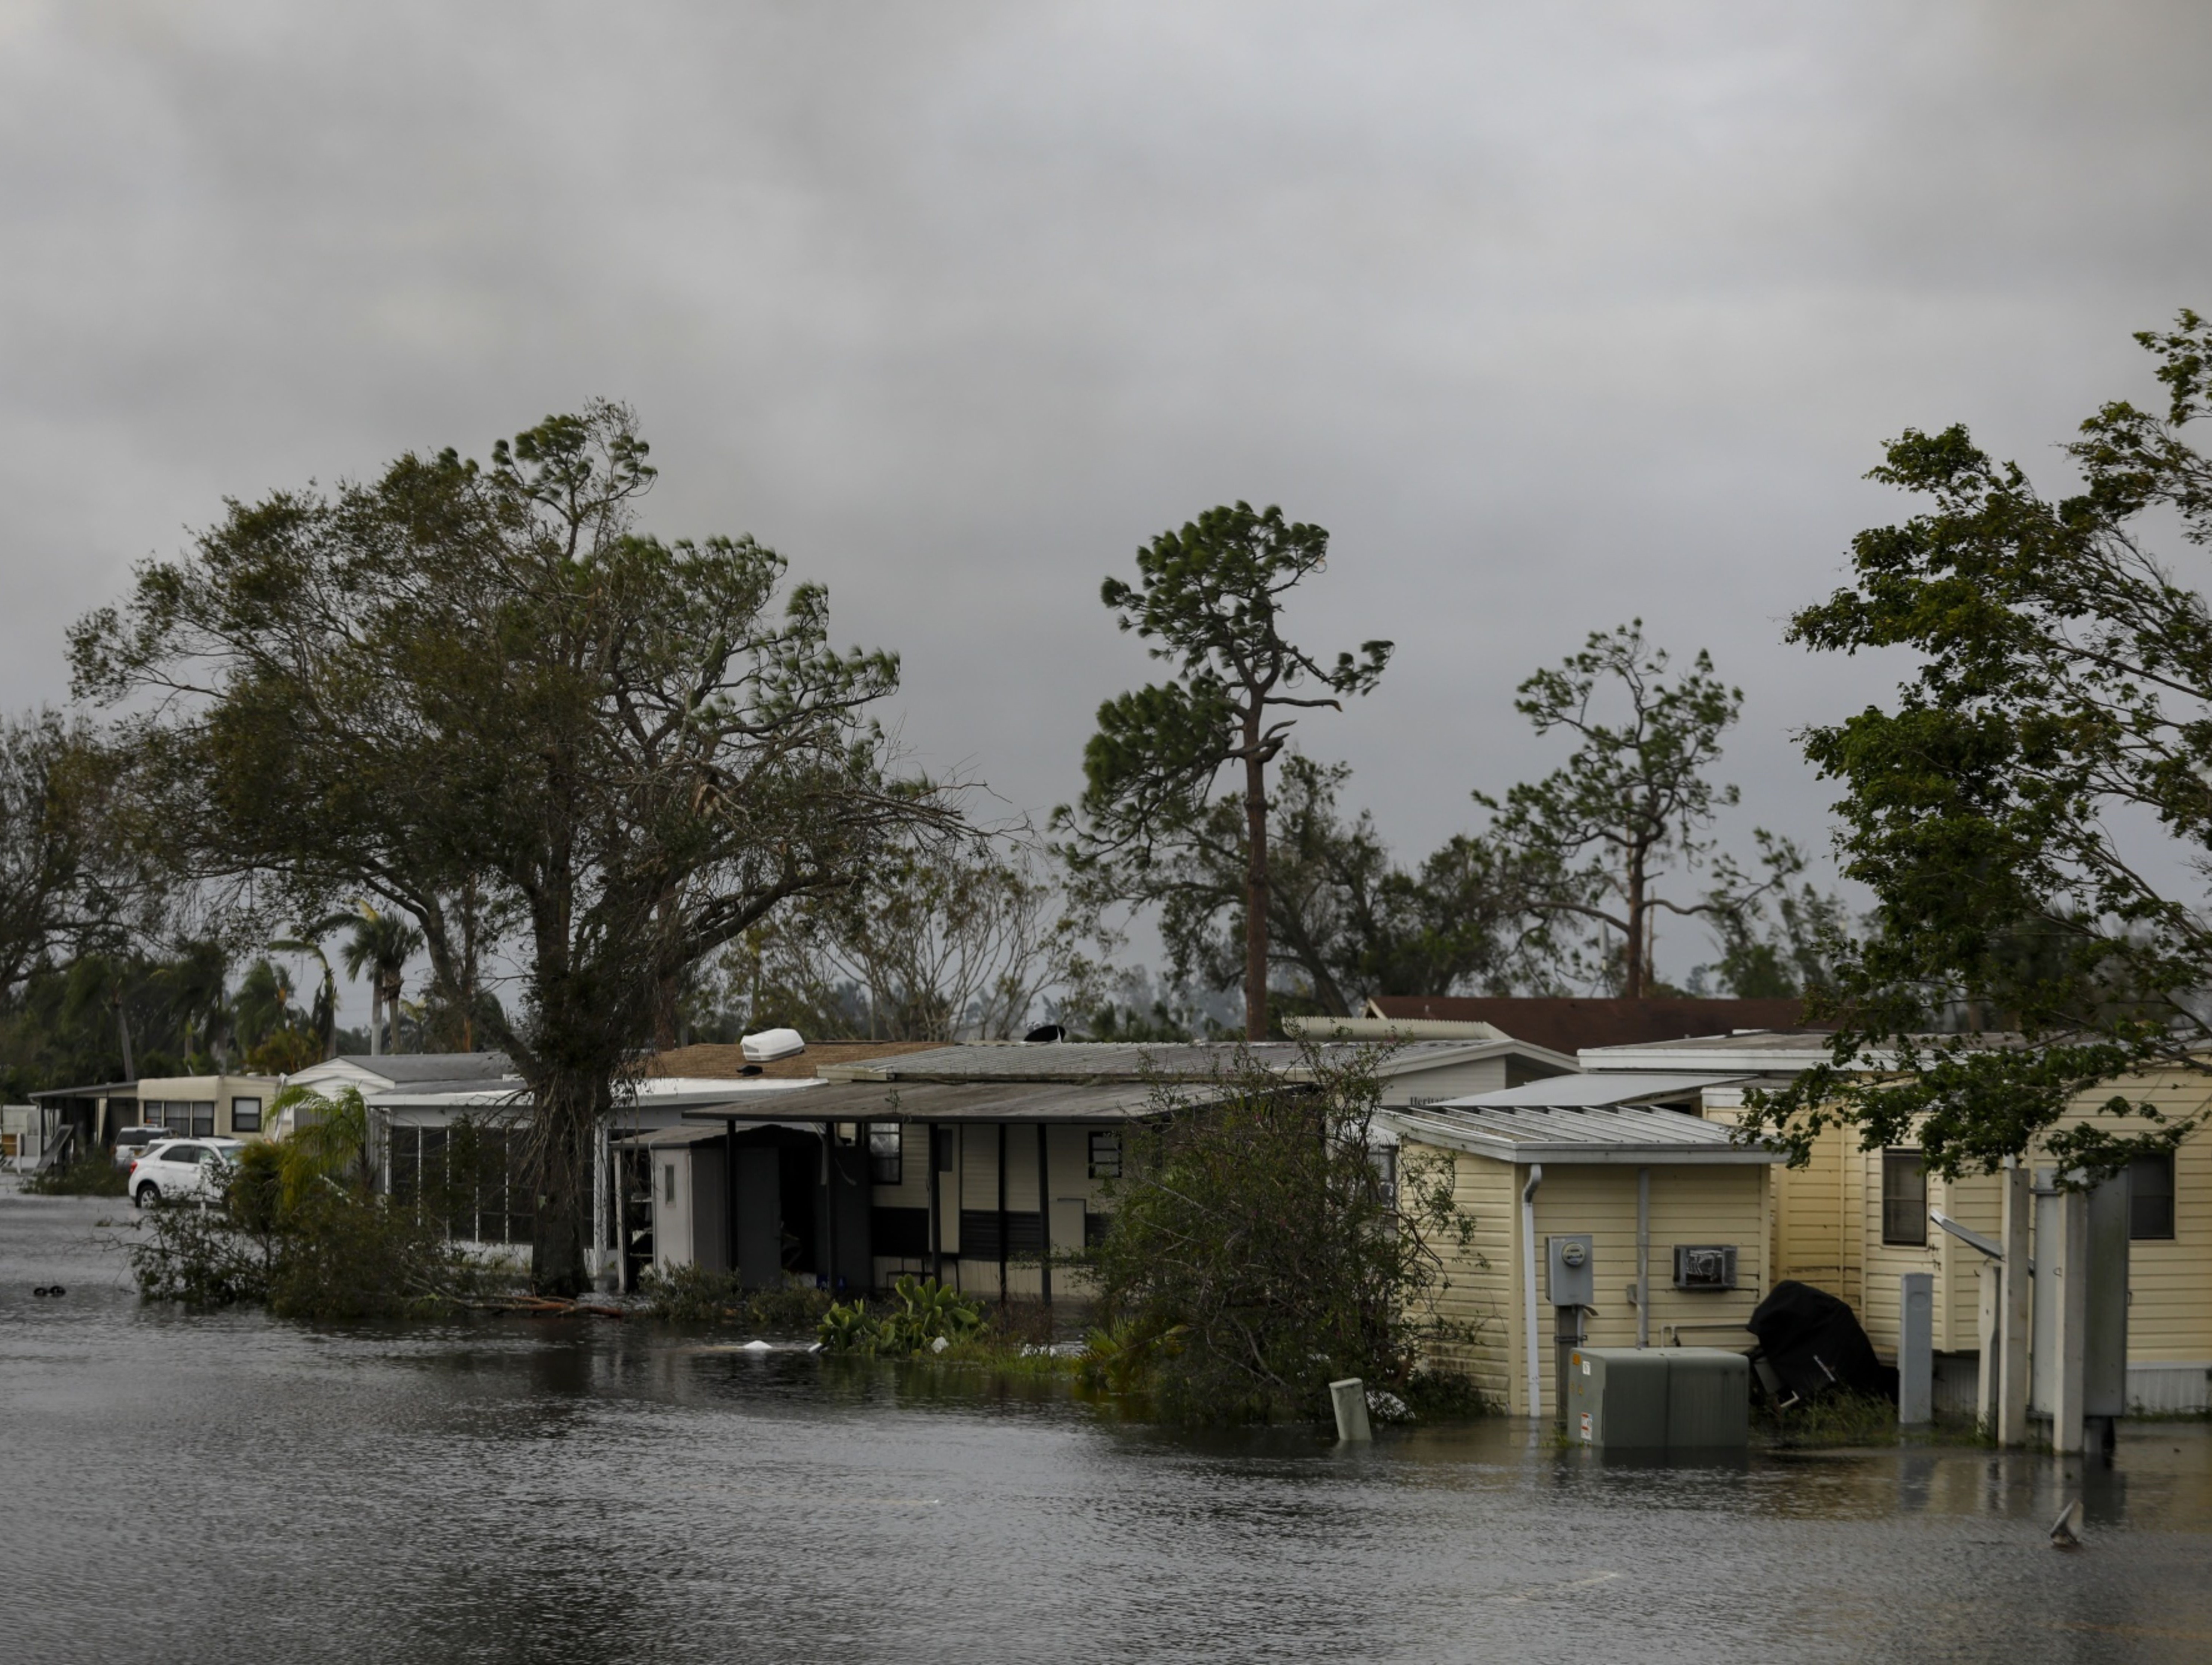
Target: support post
<point>2013,1316</point>
<point>830,1208</point>
<point>2066,1261</point>
<point>1643,1257</point>
<point>1916,1349</point>
<point>1990,1277</point>
<point>1535,1379</point>
<point>1044,1216</point>
<point>936,1202</point>
<point>1002,1213</point>
<point>730,1195</point>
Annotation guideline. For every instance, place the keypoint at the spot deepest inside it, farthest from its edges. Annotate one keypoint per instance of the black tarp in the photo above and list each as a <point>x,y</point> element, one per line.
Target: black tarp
<point>1813,1343</point>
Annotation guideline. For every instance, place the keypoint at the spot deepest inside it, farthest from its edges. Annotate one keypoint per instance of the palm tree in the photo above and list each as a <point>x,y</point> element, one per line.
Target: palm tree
<point>383,944</point>
<point>324,1022</point>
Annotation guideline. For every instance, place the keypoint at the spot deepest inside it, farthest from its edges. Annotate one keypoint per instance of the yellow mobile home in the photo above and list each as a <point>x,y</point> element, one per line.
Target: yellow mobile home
<point>1852,1221</point>
<point>1605,1209</point>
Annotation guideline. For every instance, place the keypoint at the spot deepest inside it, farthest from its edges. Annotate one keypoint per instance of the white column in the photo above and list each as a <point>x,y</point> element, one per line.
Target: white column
<point>2015,1309</point>
<point>2067,1262</point>
<point>1990,1277</point>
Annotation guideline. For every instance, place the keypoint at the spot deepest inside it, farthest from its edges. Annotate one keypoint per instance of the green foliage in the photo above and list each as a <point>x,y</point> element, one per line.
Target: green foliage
<point>1345,920</point>
<point>695,1295</point>
<point>2032,811</point>
<point>1122,1357</point>
<point>333,1252</point>
<point>939,942</point>
<point>477,696</point>
<point>1258,1251</point>
<point>921,1313</point>
<point>1208,599</point>
<point>94,1174</point>
<point>1831,1420</point>
<point>1585,848</point>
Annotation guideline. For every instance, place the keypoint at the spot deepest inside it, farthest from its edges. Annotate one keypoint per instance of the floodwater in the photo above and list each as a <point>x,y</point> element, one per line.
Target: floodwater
<point>178,1488</point>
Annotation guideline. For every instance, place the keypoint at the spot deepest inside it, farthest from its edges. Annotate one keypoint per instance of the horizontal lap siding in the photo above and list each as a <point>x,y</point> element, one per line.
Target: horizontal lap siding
<point>2170,1282</point>
<point>1722,1204</point>
<point>1479,1279</point>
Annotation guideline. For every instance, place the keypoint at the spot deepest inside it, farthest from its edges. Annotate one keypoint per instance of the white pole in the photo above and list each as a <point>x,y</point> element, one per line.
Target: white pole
<point>2016,1306</point>
<point>1528,1287</point>
<point>2067,1261</point>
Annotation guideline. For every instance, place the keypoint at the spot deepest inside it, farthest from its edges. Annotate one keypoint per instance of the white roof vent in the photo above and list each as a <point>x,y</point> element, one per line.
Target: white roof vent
<point>771,1044</point>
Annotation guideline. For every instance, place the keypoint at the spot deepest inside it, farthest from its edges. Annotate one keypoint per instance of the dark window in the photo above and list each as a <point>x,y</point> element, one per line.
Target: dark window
<point>245,1116</point>
<point>472,1176</point>
<point>668,1181</point>
<point>188,1154</point>
<point>886,1166</point>
<point>902,1233</point>
<point>203,1115</point>
<point>948,1148</point>
<point>1094,1228</point>
<point>2151,1197</point>
<point>1904,1199</point>
<point>979,1235</point>
<point>1106,1155</point>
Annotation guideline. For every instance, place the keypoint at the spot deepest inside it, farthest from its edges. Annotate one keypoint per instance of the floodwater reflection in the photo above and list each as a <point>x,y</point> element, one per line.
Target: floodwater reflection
<point>221,1487</point>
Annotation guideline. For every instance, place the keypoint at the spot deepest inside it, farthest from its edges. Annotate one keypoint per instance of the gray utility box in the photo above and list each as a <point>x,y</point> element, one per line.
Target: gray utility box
<point>1659,1399</point>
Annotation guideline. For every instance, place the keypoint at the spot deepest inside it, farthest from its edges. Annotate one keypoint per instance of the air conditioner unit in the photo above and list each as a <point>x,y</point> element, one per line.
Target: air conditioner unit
<point>1704,1266</point>
<point>1659,1399</point>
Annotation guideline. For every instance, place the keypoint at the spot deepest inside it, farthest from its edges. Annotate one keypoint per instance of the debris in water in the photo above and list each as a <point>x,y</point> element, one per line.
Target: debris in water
<point>2066,1531</point>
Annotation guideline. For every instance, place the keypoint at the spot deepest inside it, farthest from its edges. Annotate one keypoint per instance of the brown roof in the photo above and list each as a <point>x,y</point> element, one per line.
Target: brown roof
<point>720,1063</point>
<point>1569,1025</point>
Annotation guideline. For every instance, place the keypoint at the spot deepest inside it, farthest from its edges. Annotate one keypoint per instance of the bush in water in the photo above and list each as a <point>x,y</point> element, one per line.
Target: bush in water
<point>925,1313</point>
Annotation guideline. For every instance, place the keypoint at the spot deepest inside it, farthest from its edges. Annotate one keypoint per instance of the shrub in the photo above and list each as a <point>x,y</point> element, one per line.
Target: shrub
<point>1258,1250</point>
<point>694,1294</point>
<point>91,1175</point>
<point>298,1230</point>
<point>922,1313</point>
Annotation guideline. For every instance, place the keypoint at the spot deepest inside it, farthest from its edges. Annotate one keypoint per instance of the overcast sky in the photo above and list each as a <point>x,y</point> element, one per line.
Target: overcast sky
<point>1554,315</point>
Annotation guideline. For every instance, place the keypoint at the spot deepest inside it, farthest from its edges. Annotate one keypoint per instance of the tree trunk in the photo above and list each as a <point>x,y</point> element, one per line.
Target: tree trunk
<point>122,1033</point>
<point>570,1103</point>
<point>1256,887</point>
<point>376,1018</point>
<point>1632,978</point>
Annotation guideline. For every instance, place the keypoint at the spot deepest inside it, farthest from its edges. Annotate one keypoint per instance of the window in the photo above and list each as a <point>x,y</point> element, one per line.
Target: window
<point>471,1176</point>
<point>885,1146</point>
<point>2151,1197</point>
<point>1904,1199</point>
<point>668,1181</point>
<point>202,1117</point>
<point>1106,1155</point>
<point>185,1154</point>
<point>245,1116</point>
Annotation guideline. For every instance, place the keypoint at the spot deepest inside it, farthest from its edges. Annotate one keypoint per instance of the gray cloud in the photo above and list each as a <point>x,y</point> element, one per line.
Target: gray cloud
<point>1554,315</point>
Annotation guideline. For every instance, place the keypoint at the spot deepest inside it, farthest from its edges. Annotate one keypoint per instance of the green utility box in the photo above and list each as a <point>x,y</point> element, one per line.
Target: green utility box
<point>1659,1399</point>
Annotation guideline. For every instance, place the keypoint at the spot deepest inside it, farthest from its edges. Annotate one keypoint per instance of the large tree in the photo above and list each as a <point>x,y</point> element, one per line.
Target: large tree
<point>1344,918</point>
<point>2032,811</point>
<point>462,687</point>
<point>1590,846</point>
<point>1210,598</point>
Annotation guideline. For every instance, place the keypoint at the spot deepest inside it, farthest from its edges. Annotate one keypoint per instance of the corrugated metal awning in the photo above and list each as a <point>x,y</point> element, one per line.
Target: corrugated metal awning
<point>1111,1103</point>
<point>1635,1135</point>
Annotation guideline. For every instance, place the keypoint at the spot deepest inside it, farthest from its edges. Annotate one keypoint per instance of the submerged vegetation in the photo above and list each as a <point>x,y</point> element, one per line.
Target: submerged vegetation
<point>695,1295</point>
<point>300,1228</point>
<point>1267,1240</point>
<point>91,1175</point>
<point>922,1315</point>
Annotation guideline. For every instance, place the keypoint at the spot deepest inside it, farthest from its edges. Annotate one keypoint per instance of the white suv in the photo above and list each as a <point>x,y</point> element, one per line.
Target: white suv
<point>182,1168</point>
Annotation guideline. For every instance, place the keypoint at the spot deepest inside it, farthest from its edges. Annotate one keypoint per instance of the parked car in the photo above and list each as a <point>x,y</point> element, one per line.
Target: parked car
<point>133,1142</point>
<point>183,1170</point>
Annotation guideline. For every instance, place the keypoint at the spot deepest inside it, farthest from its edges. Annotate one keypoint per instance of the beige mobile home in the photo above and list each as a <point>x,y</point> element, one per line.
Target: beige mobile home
<point>1604,1208</point>
<point>1851,1221</point>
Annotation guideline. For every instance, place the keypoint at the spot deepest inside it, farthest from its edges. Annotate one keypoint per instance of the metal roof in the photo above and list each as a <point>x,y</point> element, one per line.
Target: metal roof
<point>409,1069</point>
<point>1572,1091</point>
<point>1136,1061</point>
<point>1635,1135</point>
<point>948,1101</point>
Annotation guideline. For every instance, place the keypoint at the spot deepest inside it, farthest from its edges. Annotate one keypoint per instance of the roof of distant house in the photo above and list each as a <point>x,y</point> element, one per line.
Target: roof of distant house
<point>1140,1061</point>
<point>1569,1025</point>
<point>713,1061</point>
